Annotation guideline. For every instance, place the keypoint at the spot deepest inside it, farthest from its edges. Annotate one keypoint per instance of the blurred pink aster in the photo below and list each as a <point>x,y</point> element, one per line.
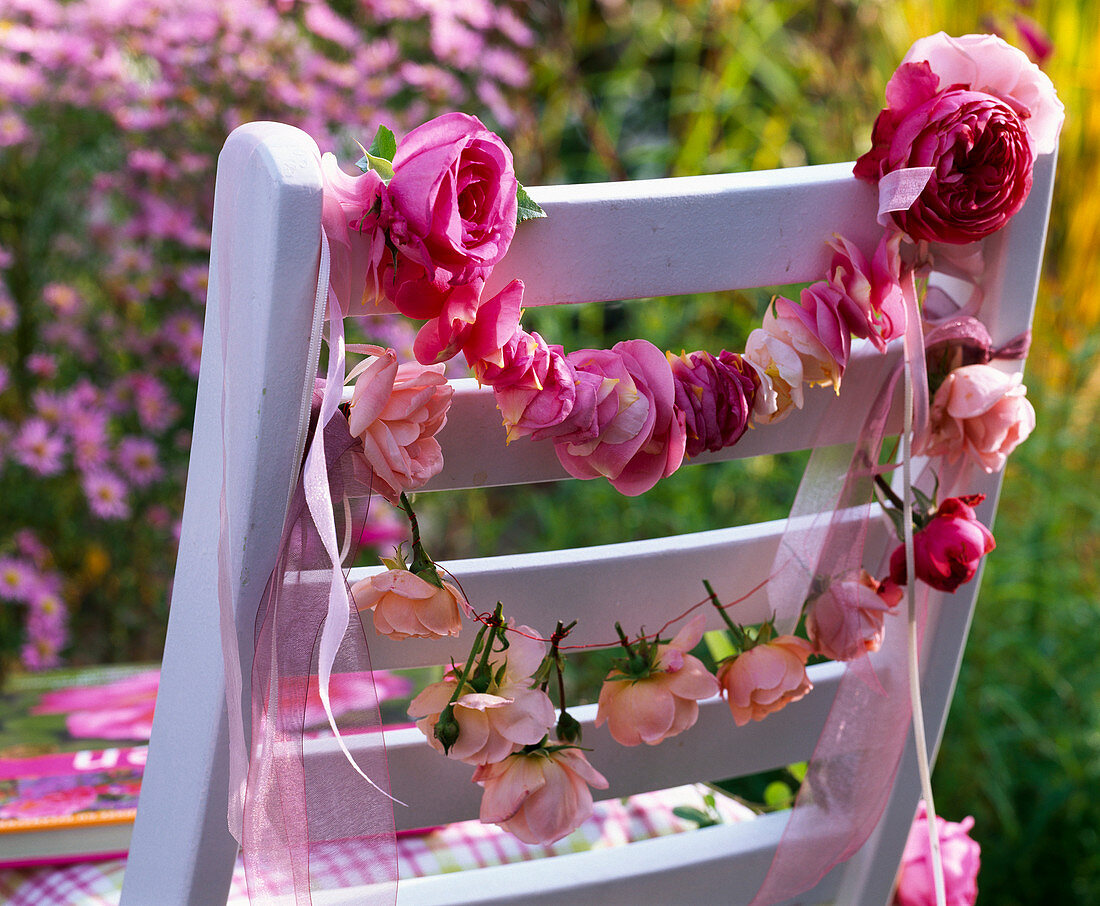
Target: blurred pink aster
<point>106,495</point>
<point>36,447</point>
<point>137,458</point>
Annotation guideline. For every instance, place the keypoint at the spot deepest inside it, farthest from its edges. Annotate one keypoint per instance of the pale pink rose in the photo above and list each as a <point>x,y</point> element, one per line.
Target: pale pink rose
<point>960,855</point>
<point>534,386</point>
<point>981,413</point>
<point>765,678</point>
<point>493,724</point>
<point>451,203</point>
<point>977,145</point>
<point>357,244</point>
<point>407,607</point>
<point>779,362</point>
<point>872,304</point>
<point>396,410</point>
<point>987,63</point>
<point>540,796</point>
<point>846,619</point>
<point>625,426</point>
<point>663,704</point>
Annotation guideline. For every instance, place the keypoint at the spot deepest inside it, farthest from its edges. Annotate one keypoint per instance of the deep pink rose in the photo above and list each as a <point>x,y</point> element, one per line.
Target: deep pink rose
<point>396,410</point>
<point>350,215</point>
<point>539,796</point>
<point>981,413</point>
<point>716,396</point>
<point>987,63</point>
<point>451,203</point>
<point>665,703</point>
<point>534,386</point>
<point>765,678</point>
<point>635,436</point>
<point>847,619</point>
<point>960,855</point>
<point>871,300</point>
<point>949,548</point>
<point>977,144</point>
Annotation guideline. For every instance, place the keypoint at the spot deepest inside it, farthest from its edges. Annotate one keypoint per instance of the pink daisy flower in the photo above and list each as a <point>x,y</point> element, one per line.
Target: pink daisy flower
<point>38,449</point>
<point>106,494</point>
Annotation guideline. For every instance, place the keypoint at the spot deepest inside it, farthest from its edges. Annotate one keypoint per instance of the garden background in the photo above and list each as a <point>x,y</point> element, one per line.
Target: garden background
<point>111,117</point>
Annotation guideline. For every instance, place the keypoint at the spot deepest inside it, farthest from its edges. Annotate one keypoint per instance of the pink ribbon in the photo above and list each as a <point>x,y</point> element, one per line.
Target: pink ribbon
<point>898,189</point>
<point>304,813</point>
<point>856,758</point>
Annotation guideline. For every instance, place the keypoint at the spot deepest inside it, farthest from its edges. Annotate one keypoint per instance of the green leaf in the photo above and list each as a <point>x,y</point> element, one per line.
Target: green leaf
<point>384,144</point>
<point>526,208</point>
<point>379,155</point>
<point>687,813</point>
<point>898,518</point>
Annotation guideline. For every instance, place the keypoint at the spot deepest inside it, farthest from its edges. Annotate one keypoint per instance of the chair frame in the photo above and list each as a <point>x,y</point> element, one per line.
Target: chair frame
<point>623,240</point>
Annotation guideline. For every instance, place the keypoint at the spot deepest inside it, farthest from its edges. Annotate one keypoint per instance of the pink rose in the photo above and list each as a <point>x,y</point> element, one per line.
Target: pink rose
<point>978,145</point>
<point>539,796</point>
<point>872,304</point>
<point>625,424</point>
<point>949,548</point>
<point>846,619</point>
<point>534,386</point>
<point>662,704</point>
<point>396,410</point>
<point>979,412</point>
<point>350,211</point>
<point>765,678</point>
<point>408,607</point>
<point>960,855</point>
<point>451,203</point>
<point>716,396</point>
<point>987,63</point>
<point>510,714</point>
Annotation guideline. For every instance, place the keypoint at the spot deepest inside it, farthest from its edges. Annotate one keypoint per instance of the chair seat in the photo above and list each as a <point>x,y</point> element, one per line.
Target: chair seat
<point>456,847</point>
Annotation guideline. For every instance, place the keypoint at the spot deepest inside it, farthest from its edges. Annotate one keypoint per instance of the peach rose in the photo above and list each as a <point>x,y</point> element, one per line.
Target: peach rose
<point>662,704</point>
<point>396,410</point>
<point>765,678</point>
<point>981,413</point>
<point>493,724</point>
<point>408,607</point>
<point>846,620</point>
<point>539,796</point>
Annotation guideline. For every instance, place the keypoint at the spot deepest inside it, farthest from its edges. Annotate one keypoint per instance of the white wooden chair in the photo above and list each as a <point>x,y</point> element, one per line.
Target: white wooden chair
<point>599,242</point>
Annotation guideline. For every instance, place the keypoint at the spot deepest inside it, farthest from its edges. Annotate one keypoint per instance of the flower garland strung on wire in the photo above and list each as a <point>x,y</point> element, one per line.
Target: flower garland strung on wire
<point>422,227</point>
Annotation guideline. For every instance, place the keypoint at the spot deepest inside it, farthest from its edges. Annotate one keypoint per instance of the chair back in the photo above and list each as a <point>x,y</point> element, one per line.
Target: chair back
<point>599,243</point>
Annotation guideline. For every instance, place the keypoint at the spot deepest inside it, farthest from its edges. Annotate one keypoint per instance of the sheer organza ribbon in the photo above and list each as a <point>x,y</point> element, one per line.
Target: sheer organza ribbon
<point>294,813</point>
<point>856,758</point>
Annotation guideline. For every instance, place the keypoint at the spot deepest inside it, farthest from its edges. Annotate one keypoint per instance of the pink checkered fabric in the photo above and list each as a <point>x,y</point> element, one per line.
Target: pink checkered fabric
<point>468,844</point>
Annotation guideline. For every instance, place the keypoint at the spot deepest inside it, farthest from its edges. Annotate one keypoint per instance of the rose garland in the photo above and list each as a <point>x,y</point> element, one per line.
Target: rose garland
<point>422,227</point>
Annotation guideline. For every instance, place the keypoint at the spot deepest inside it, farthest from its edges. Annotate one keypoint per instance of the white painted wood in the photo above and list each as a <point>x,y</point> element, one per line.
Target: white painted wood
<point>266,243</point>
<point>601,242</point>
